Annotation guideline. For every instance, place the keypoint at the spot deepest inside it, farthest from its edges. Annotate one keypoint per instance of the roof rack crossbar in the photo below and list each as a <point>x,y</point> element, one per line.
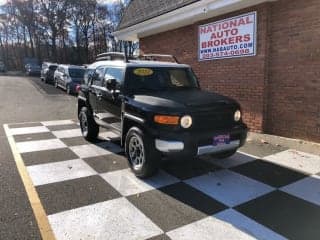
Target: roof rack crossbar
<point>147,56</point>
<point>112,56</point>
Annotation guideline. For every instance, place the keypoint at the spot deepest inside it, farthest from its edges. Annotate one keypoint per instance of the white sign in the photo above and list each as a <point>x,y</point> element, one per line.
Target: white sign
<point>229,38</point>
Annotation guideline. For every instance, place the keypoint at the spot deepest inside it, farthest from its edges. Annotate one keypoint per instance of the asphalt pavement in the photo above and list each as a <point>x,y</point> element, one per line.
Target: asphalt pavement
<point>82,190</point>
<point>24,99</point>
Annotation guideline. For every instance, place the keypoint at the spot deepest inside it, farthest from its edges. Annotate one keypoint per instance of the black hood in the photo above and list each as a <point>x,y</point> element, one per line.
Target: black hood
<point>191,99</point>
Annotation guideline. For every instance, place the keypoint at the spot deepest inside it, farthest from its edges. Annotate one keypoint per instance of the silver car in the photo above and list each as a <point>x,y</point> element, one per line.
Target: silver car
<point>69,77</point>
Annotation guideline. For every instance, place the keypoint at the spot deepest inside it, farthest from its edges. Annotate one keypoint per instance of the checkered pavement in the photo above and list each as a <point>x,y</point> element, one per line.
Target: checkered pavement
<point>88,192</point>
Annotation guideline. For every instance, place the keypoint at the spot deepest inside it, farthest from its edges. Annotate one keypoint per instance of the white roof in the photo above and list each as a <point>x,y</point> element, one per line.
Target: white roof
<point>136,63</point>
<point>71,66</point>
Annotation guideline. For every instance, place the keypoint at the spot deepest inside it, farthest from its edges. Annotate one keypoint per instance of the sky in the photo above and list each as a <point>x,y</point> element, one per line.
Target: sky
<point>100,1</point>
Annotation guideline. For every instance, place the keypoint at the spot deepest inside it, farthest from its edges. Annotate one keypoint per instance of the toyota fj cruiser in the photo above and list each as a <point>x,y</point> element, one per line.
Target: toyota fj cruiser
<point>158,109</point>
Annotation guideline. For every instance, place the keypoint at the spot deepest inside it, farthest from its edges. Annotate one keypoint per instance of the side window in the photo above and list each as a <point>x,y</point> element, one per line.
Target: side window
<point>98,76</point>
<point>88,76</point>
<point>61,70</point>
<point>116,73</point>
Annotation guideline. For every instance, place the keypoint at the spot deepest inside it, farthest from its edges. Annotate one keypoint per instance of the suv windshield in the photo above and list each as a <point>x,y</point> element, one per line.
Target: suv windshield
<point>160,78</point>
<point>76,72</point>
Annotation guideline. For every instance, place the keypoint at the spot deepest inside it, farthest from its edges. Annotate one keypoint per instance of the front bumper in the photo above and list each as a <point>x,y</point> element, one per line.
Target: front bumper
<point>198,143</point>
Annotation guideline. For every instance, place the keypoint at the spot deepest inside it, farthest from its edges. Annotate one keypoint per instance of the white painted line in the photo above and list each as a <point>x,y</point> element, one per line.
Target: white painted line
<point>208,229</point>
<point>125,182</point>
<point>68,133</point>
<point>27,130</point>
<point>247,225</point>
<point>57,123</point>
<point>59,171</point>
<point>296,160</point>
<point>229,187</point>
<point>41,145</point>
<point>228,224</point>
<point>111,220</point>
<point>109,135</point>
<point>90,150</point>
<point>38,210</point>
<point>307,189</point>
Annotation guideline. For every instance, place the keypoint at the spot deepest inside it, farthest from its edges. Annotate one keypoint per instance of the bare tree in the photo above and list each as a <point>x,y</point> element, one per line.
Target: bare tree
<point>55,14</point>
<point>71,31</point>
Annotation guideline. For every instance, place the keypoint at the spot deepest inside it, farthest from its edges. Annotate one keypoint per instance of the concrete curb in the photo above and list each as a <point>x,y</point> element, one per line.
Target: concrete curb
<point>297,144</point>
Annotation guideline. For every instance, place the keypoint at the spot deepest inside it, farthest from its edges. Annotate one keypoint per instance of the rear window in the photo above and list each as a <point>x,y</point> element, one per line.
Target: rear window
<point>76,72</point>
<point>53,67</point>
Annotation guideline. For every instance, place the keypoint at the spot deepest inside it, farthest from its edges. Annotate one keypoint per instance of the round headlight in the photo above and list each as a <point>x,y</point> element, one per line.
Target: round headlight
<point>186,121</point>
<point>237,115</point>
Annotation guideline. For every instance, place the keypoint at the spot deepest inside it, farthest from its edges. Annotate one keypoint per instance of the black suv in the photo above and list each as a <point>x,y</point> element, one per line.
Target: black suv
<point>158,109</point>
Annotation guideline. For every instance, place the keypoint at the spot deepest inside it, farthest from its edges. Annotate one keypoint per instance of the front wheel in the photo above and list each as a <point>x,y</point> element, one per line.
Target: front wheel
<point>89,128</point>
<point>56,83</point>
<point>142,156</point>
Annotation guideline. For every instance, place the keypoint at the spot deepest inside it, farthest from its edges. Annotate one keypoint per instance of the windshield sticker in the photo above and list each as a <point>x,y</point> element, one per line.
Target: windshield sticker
<point>143,72</point>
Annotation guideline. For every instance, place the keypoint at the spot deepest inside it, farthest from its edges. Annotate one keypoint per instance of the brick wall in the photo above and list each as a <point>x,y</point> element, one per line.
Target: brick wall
<point>277,89</point>
<point>294,75</point>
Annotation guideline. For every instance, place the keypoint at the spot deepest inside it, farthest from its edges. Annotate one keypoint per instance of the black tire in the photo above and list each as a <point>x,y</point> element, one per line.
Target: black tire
<point>89,128</point>
<point>225,154</point>
<point>68,89</point>
<point>151,157</point>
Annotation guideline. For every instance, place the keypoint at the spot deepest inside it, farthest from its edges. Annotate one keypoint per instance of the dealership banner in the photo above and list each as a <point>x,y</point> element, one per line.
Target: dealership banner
<point>228,38</point>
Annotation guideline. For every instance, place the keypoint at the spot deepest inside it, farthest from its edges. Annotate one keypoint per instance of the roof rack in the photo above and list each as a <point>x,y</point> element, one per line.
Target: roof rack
<point>112,56</point>
<point>152,57</point>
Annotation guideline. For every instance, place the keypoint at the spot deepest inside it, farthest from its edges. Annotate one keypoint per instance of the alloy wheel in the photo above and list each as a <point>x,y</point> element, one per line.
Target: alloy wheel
<point>84,124</point>
<point>136,152</point>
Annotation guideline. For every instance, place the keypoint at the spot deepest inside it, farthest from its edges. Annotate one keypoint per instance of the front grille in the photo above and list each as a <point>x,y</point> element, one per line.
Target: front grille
<point>213,120</point>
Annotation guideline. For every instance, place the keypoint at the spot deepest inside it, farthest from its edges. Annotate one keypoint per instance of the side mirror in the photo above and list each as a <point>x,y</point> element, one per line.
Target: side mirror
<point>111,84</point>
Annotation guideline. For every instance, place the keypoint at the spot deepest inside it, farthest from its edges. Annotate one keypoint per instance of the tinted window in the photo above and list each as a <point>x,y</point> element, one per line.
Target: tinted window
<point>53,67</point>
<point>116,73</point>
<point>161,78</point>
<point>88,75</point>
<point>76,72</point>
<point>99,75</point>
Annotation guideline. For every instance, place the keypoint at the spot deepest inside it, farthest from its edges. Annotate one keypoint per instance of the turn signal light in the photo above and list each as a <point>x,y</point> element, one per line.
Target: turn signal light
<point>168,120</point>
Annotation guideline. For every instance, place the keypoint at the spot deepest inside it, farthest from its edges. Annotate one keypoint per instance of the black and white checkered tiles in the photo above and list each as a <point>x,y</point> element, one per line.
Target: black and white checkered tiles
<point>88,192</point>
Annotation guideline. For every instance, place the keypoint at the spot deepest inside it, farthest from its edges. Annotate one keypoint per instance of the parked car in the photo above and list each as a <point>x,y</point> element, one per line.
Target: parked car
<point>158,109</point>
<point>47,72</point>
<point>33,69</point>
<point>2,67</point>
<point>69,77</point>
